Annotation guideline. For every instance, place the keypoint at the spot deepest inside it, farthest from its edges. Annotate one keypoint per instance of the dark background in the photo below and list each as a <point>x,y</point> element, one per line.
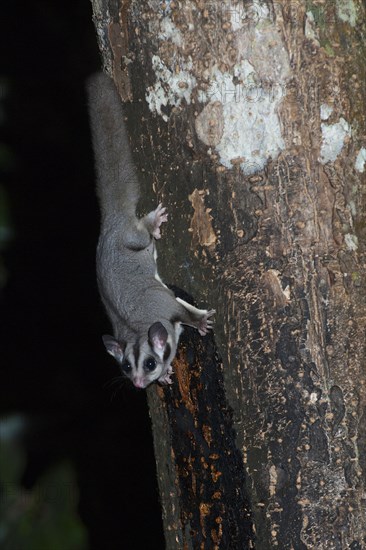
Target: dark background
<point>54,370</point>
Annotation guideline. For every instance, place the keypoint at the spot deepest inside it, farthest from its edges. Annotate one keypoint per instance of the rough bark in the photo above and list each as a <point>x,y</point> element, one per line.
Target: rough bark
<point>249,123</point>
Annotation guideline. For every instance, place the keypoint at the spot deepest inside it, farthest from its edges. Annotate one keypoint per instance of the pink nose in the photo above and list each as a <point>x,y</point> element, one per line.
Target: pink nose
<point>138,383</point>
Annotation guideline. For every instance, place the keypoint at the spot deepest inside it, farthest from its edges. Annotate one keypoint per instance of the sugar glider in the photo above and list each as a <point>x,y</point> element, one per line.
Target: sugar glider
<point>146,316</point>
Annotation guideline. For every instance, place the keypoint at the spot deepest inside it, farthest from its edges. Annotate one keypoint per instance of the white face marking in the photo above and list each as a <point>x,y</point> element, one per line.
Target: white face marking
<point>150,366</point>
<point>146,360</point>
<point>140,364</point>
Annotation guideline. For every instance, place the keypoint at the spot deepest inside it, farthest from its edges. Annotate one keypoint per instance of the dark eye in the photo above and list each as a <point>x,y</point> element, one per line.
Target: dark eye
<point>150,364</point>
<point>126,367</point>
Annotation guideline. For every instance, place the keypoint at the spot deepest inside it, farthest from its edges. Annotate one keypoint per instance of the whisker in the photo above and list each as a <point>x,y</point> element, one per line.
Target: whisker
<point>116,384</point>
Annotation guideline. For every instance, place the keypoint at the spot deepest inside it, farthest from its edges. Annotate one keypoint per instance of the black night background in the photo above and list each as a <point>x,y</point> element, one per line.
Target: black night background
<point>76,460</point>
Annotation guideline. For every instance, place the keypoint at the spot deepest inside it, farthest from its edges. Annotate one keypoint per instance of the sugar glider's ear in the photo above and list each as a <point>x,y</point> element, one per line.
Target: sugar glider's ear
<point>114,348</point>
<point>158,336</point>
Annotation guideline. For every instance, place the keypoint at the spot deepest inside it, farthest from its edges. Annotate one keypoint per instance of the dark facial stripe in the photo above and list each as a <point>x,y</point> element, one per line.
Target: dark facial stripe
<point>175,319</point>
<point>136,353</point>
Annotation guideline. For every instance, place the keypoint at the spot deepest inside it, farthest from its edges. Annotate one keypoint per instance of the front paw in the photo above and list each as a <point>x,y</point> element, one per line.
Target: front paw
<point>160,216</point>
<point>205,323</point>
<point>165,379</point>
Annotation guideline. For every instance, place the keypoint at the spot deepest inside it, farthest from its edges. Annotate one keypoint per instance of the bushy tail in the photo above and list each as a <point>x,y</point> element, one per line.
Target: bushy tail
<point>117,182</point>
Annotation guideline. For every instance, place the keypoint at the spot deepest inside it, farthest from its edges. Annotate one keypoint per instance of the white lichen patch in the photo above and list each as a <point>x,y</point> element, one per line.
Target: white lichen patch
<point>310,28</point>
<point>169,31</point>
<point>325,111</point>
<point>222,87</point>
<point>170,87</point>
<point>351,242</point>
<point>313,397</point>
<point>352,207</point>
<point>361,160</point>
<point>266,52</point>
<point>251,130</point>
<point>209,123</point>
<point>287,292</point>
<point>347,11</point>
<point>249,89</point>
<point>334,136</point>
<point>237,16</point>
<point>242,14</point>
<point>252,133</point>
<point>251,92</point>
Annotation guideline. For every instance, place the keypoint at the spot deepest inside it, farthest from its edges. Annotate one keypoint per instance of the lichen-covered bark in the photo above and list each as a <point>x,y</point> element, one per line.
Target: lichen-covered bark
<point>250,126</point>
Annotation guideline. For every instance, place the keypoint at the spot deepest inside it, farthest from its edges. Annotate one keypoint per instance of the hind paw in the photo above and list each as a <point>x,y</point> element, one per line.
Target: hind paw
<point>160,216</point>
<point>205,323</point>
<point>165,379</point>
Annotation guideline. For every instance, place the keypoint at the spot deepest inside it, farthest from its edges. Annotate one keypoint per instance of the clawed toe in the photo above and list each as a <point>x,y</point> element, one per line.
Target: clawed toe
<point>166,381</point>
<point>161,211</point>
<point>161,216</point>
<point>206,324</point>
<point>166,378</point>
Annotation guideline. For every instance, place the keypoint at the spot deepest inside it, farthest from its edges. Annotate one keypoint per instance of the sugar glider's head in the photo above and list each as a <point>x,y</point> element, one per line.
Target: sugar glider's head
<point>148,358</point>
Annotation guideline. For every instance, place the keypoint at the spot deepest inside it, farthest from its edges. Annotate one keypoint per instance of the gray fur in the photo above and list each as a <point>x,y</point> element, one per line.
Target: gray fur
<point>145,315</point>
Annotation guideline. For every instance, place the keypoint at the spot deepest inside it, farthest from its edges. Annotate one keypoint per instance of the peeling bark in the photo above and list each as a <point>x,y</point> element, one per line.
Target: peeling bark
<point>249,123</point>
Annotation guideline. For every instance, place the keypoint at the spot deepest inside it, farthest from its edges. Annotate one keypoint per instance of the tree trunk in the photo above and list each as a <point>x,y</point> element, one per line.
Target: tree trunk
<point>249,124</point>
